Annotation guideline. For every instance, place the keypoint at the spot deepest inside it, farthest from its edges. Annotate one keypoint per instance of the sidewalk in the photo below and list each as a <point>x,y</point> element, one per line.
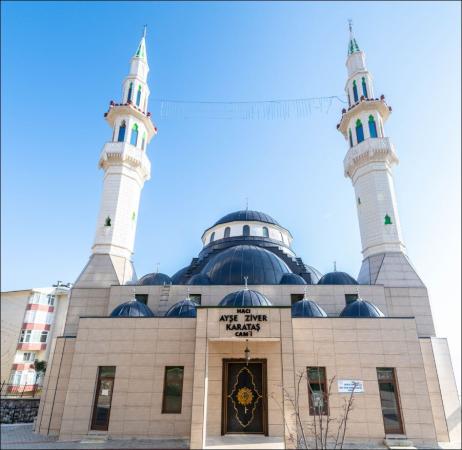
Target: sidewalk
<point>21,436</point>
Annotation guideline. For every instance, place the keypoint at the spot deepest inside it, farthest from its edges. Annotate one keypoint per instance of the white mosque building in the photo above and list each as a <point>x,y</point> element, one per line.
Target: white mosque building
<point>224,361</point>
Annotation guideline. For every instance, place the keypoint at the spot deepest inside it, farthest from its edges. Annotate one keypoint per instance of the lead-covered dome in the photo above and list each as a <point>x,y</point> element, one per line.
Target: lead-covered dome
<point>292,278</point>
<point>337,278</point>
<point>361,308</point>
<point>307,308</point>
<point>184,308</point>
<point>230,266</point>
<point>155,279</point>
<point>132,308</point>
<point>246,216</point>
<point>245,297</point>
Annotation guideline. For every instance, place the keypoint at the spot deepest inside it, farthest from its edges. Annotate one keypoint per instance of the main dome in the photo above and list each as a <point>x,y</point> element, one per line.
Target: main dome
<point>246,216</point>
<point>230,266</point>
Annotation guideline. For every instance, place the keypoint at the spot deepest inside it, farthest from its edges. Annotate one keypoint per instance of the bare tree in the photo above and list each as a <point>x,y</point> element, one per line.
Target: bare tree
<point>325,431</point>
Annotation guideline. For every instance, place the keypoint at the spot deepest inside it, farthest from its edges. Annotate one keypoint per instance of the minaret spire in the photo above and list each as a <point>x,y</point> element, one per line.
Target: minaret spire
<point>353,46</point>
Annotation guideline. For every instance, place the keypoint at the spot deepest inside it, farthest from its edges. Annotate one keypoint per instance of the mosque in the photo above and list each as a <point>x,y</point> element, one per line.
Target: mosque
<point>249,340</point>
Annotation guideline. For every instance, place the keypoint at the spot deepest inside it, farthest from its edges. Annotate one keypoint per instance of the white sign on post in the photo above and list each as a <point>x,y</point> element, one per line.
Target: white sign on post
<point>347,386</point>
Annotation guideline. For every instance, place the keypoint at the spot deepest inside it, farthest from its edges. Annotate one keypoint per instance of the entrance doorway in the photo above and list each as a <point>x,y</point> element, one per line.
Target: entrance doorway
<point>245,403</point>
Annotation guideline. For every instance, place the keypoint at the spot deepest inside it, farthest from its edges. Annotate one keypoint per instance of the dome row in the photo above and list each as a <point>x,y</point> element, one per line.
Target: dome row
<point>248,298</point>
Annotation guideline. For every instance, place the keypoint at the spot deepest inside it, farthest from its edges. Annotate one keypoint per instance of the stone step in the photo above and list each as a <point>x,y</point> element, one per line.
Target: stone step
<point>398,442</point>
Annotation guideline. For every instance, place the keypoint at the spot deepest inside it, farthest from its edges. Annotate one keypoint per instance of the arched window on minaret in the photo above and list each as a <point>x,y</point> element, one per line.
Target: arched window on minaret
<point>359,131</point>
<point>134,136</point>
<point>351,137</point>
<point>355,91</point>
<point>121,136</point>
<point>372,127</point>
<point>143,141</point>
<point>246,230</point>
<point>138,96</point>
<point>130,93</point>
<point>363,82</point>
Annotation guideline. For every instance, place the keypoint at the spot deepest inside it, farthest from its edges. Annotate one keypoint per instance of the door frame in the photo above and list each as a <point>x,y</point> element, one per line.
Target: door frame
<point>224,395</point>
<point>93,425</point>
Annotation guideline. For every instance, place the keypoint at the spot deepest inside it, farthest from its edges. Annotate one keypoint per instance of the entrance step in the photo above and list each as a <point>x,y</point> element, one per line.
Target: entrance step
<point>94,438</point>
<point>244,441</point>
<point>398,442</point>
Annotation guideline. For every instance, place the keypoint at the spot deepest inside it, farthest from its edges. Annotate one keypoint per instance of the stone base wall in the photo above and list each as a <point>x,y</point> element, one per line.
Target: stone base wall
<point>18,410</point>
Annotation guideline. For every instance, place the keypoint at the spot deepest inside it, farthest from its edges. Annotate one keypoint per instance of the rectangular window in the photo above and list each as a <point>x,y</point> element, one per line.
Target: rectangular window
<point>350,298</point>
<point>43,336</point>
<point>389,400</point>
<point>28,357</point>
<point>16,379</point>
<point>142,298</point>
<point>173,390</point>
<point>103,398</point>
<point>51,299</point>
<point>317,390</point>
<point>196,298</point>
<point>25,336</point>
<point>294,298</point>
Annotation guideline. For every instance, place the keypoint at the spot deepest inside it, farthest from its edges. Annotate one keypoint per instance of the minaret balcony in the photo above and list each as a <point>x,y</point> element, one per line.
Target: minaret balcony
<point>364,104</point>
<point>123,152</point>
<point>370,150</point>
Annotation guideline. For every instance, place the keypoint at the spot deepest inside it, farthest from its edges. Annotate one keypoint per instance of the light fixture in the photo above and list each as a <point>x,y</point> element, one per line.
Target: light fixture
<point>247,352</point>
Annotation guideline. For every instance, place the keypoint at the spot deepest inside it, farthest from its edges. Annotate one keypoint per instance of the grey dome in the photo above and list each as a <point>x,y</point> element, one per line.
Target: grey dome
<point>200,279</point>
<point>247,216</point>
<point>292,278</point>
<point>184,308</point>
<point>176,278</point>
<point>230,266</point>
<point>307,308</point>
<point>246,297</point>
<point>154,279</point>
<point>132,308</point>
<point>337,278</point>
<point>361,308</point>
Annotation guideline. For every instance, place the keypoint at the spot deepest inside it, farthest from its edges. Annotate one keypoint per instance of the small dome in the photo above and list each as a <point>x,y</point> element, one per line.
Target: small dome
<point>246,297</point>
<point>231,265</point>
<point>246,216</point>
<point>361,308</point>
<point>132,308</point>
<point>154,279</point>
<point>307,308</point>
<point>337,278</point>
<point>184,308</point>
<point>292,278</point>
<point>176,278</point>
<point>199,279</point>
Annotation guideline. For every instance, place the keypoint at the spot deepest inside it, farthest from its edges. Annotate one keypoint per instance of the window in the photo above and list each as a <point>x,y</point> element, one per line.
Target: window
<point>121,136</point>
<point>107,222</point>
<point>388,220</point>
<point>372,127</point>
<point>103,398</point>
<point>173,390</point>
<point>349,100</point>
<point>16,378</point>
<point>138,96</point>
<point>212,237</point>
<point>28,357</point>
<point>130,92</point>
<point>265,232</point>
<point>294,298</point>
<point>317,390</point>
<point>363,82</point>
<point>389,400</point>
<point>143,142</point>
<point>51,299</point>
<point>25,336</point>
<point>350,298</point>
<point>142,298</point>
<point>246,230</point>
<point>350,136</point>
<point>134,137</point>
<point>359,131</point>
<point>43,336</point>
<point>196,298</point>
<point>355,91</point>
<point>227,232</point>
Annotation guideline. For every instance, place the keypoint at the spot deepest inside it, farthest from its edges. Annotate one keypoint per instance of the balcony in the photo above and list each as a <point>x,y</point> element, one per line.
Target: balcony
<point>371,149</point>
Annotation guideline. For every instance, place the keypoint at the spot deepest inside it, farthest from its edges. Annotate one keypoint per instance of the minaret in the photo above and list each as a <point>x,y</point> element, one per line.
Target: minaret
<point>369,163</point>
<point>126,167</point>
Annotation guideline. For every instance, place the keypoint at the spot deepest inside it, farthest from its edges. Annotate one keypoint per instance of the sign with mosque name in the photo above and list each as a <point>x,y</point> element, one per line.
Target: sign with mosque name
<point>243,323</point>
<point>348,386</point>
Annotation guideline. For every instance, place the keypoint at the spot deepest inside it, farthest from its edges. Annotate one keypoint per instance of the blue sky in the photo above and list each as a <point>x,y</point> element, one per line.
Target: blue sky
<point>62,62</point>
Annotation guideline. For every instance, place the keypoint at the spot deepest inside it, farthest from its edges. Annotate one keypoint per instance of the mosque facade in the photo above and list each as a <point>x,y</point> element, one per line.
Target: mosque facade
<point>249,340</point>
